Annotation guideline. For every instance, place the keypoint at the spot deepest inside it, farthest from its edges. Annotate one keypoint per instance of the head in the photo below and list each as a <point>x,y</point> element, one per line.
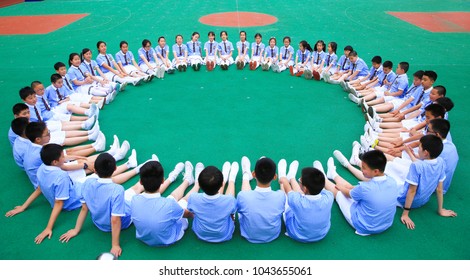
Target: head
<point>20,110</point>
<point>429,77</point>
<point>434,111</point>
<point>28,95</point>
<point>430,147</point>
<point>52,155</point>
<point>439,127</point>
<point>258,38</point>
<point>179,39</point>
<point>373,163</point>
<point>347,50</point>
<point>353,56</point>
<point>211,35</point>
<point>146,44</point>
<point>101,46</point>
<point>265,170</point>
<point>38,133</point>
<point>437,92</point>
<point>402,68</point>
<point>210,180</point>
<point>161,41</point>
<point>445,102</point>
<point>74,59</point>
<point>272,42</point>
<point>304,45</point>
<point>38,88</point>
<point>223,35</point>
<point>105,165</point>
<point>60,68</point>
<point>319,46</point>
<point>376,61</point>
<point>18,125</point>
<point>86,54</point>
<point>312,180</point>
<point>242,36</point>
<point>286,41</point>
<point>387,66</point>
<point>151,176</point>
<point>195,36</point>
<point>332,47</point>
<point>417,77</point>
<point>57,80</point>
<point>124,46</point>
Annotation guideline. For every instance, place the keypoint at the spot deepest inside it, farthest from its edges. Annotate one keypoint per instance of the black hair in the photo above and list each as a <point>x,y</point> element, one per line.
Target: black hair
<point>18,125</point>
<point>348,48</point>
<point>377,59</point>
<point>194,33</point>
<point>446,102</point>
<point>375,159</point>
<point>35,130</point>
<point>35,83</point>
<point>436,110</point>
<point>55,77</point>
<point>418,74</point>
<point>286,37</point>
<point>19,107</point>
<point>105,165</point>
<point>441,127</point>
<point>388,64</point>
<point>222,32</point>
<point>313,179</point>
<point>159,38</point>
<point>84,51</point>
<point>51,152</point>
<point>272,38</point>
<point>404,66</point>
<point>243,31</point>
<point>211,33</point>
<point>334,46</point>
<point>306,45</point>
<point>352,53</point>
<point>151,176</point>
<point>431,74</point>
<point>71,56</point>
<point>179,35</point>
<point>265,169</point>
<point>258,34</point>
<point>122,43</point>
<point>25,92</point>
<point>59,64</point>
<point>441,90</point>
<point>145,42</point>
<point>210,180</point>
<point>321,42</point>
<point>432,144</point>
<point>99,43</point>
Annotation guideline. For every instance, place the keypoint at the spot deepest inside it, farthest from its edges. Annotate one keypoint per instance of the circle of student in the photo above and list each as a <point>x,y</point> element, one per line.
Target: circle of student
<point>405,155</point>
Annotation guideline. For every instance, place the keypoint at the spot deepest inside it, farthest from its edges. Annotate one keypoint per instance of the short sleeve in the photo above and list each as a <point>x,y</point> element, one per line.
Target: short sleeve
<point>413,176</point>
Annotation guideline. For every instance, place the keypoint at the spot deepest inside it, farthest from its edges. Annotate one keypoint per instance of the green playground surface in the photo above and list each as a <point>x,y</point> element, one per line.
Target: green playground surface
<point>218,116</point>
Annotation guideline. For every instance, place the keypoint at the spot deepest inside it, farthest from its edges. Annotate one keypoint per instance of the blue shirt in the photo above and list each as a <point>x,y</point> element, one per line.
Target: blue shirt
<point>425,174</point>
<point>271,52</point>
<point>225,47</point>
<point>124,58</point>
<point>53,97</point>
<point>257,49</point>
<point>343,63</point>
<point>375,72</point>
<point>302,56</point>
<point>44,108</point>
<point>242,47</point>
<point>56,185</point>
<point>308,216</point>
<point>451,158</point>
<point>400,83</point>
<point>89,67</point>
<point>12,136</point>
<point>374,205</point>
<point>101,59</point>
<point>32,161</point>
<point>105,199</point>
<point>412,92</point>
<point>157,220</point>
<point>179,50</point>
<point>212,216</point>
<point>76,73</point>
<point>162,51</point>
<point>147,54</point>
<point>194,48</point>
<point>20,148</point>
<point>34,114</point>
<point>260,213</point>
<point>360,66</point>
<point>330,59</point>
<point>317,57</point>
<point>211,47</point>
<point>68,85</point>
<point>285,52</point>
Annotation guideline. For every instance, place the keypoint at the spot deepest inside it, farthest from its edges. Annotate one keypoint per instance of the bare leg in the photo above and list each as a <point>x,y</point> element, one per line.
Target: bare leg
<point>178,193</point>
<point>330,187</point>
<point>75,140</point>
<point>295,185</point>
<point>124,177</point>
<point>194,189</point>
<point>78,118</point>
<point>246,185</point>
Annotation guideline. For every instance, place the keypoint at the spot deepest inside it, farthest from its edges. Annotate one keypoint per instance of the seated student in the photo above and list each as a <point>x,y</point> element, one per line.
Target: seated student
<point>308,210</point>
<point>159,221</point>
<point>194,52</point>
<point>328,65</point>
<point>382,83</point>
<point>214,212</point>
<point>180,54</point>
<point>242,46</point>
<point>20,110</point>
<point>271,55</point>
<point>148,59</point>
<point>56,186</point>
<point>211,47</point>
<point>358,70</point>
<point>341,67</point>
<point>225,51</point>
<point>260,210</point>
<point>286,56</point>
<point>370,206</point>
<point>316,61</point>
<point>302,59</point>
<point>376,71</point>
<point>21,144</point>
<point>127,64</point>
<point>257,50</point>
<point>426,175</point>
<point>163,60</point>
<point>90,68</point>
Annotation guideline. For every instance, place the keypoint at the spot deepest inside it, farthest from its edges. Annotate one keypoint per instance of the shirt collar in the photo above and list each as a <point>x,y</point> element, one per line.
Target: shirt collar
<point>258,189</point>
<point>379,178</point>
<point>151,195</point>
<point>105,180</point>
<point>211,196</point>
<point>313,197</point>
<point>51,167</point>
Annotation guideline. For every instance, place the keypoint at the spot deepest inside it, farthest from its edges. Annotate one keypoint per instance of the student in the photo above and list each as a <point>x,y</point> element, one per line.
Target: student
<point>242,46</point>
<point>214,212</point>
<point>20,110</point>
<point>90,68</point>
<point>110,68</point>
<point>225,51</point>
<point>426,175</point>
<point>318,55</point>
<point>194,52</point>
<point>328,65</point>
<point>159,221</point>
<point>370,206</point>
<point>257,49</point>
<point>148,59</point>
<point>56,186</point>
<point>286,56</point>
<point>180,54</point>
<point>22,143</point>
<point>271,55</point>
<point>308,210</point>
<point>211,47</point>
<point>341,67</point>
<point>260,210</point>
<point>370,79</point>
<point>301,59</point>
<point>383,82</point>
<point>127,64</point>
<point>358,69</point>
<point>163,60</point>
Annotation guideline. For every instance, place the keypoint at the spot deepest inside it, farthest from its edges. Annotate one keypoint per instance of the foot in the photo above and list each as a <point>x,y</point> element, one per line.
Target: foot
<point>122,152</point>
<point>341,158</point>
<point>293,167</point>
<point>123,86</point>
<point>226,171</point>
<point>353,98</point>
<point>317,164</point>
<point>114,148</point>
<point>188,172</point>
<point>308,74</point>
<point>198,170</point>
<point>282,168</point>
<point>371,111</point>
<point>100,143</point>
<point>88,124</point>
<point>354,160</point>
<point>93,133</point>
<point>246,169</point>
<point>291,70</point>
<point>92,111</point>
<point>233,171</point>
<point>331,172</point>
<point>174,174</point>
<point>132,160</point>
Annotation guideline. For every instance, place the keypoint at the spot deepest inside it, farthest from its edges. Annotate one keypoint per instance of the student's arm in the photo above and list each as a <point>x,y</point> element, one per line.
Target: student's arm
<point>136,65</point>
<point>410,195</point>
<point>18,209</point>
<point>344,189</point>
<point>144,59</point>
<point>47,232</point>
<point>115,233</point>
<point>403,105</point>
<point>410,153</point>
<point>353,75</point>
<point>285,185</point>
<point>78,225</point>
<point>396,93</point>
<point>440,203</point>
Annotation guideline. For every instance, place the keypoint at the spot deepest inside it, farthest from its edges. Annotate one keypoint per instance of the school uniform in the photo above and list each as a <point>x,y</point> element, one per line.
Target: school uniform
<point>55,95</point>
<point>400,83</point>
<point>302,57</point>
<point>101,59</point>
<point>411,92</point>
<point>105,199</point>
<point>158,220</point>
<point>74,95</point>
<point>77,74</point>
<point>212,216</point>
<point>194,52</point>
<point>308,217</point>
<point>12,136</point>
<point>317,58</point>
<point>164,53</point>
<point>243,48</point>
<point>20,148</point>
<point>380,88</point>
<point>149,56</point>
<point>330,59</point>
<point>257,53</point>
<point>56,185</point>
<point>32,161</point>
<point>343,64</point>
<point>425,174</point>
<point>372,206</point>
<point>211,51</point>
<point>284,54</point>
<point>225,48</point>
<point>361,66</point>
<point>126,61</point>
<point>180,51</point>
<point>260,214</point>
<point>271,54</point>
<point>451,158</point>
<point>89,68</point>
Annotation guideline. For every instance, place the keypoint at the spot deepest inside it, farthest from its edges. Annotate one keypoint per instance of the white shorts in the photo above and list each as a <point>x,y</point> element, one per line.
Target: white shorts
<point>228,61</point>
<point>80,97</point>
<point>397,103</point>
<point>195,59</point>
<point>345,204</point>
<point>409,124</point>
<point>61,117</point>
<point>57,137</point>
<point>246,60</point>
<point>54,125</point>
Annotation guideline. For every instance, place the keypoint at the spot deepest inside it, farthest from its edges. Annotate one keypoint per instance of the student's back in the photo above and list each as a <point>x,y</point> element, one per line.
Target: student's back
<point>32,161</point>
<point>20,148</point>
<point>451,158</point>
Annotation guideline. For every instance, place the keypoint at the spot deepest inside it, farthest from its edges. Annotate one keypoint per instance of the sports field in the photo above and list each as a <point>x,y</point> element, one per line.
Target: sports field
<point>219,116</point>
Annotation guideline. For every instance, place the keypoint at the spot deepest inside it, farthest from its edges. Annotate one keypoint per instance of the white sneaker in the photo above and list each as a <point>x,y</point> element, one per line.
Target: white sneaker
<point>88,124</point>
<point>122,152</point>
<point>162,72</point>
<point>293,167</point>
<point>188,172</point>
<point>246,169</point>
<point>138,167</point>
<point>353,98</point>
<point>198,170</point>
<point>341,158</point>
<point>317,164</point>
<point>354,160</point>
<point>354,92</point>
<point>92,110</point>
<point>331,172</point>
<point>100,104</point>
<point>371,111</point>
<point>114,148</point>
<point>110,97</point>
<point>343,85</point>
<point>174,174</point>
<point>233,171</point>
<point>155,158</point>
<point>94,132</point>
<point>100,143</point>
<point>226,171</point>
<point>122,87</point>
<point>132,160</point>
<point>282,168</point>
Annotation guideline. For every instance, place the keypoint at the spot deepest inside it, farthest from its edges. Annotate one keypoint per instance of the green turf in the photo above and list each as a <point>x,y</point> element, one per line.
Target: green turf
<point>220,116</point>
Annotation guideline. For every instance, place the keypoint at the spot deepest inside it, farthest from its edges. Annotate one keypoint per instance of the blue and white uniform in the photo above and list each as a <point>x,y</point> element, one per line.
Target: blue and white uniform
<point>451,158</point>
<point>162,56</point>
<point>330,59</point>
<point>286,57</point>
<point>361,66</point>
<point>243,48</point>
<point>107,59</point>
<point>343,64</point>
<point>399,84</point>
<point>225,49</point>
<point>180,53</point>
<point>48,113</point>
<point>31,162</point>
<point>20,148</point>
<point>317,58</point>
<point>91,67</point>
<point>270,55</point>
<point>211,51</point>
<point>194,52</point>
<point>257,52</point>
<point>147,60</point>
<point>12,136</point>
<point>302,59</point>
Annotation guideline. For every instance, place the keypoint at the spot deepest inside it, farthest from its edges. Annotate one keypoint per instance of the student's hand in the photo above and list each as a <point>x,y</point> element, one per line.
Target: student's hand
<point>45,233</point>
<point>397,143</point>
<point>116,250</point>
<point>68,235</point>
<point>405,219</point>
<point>121,75</point>
<point>413,132</point>
<point>395,113</point>
<point>88,80</point>
<point>14,211</point>
<point>447,213</point>
<point>394,152</point>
